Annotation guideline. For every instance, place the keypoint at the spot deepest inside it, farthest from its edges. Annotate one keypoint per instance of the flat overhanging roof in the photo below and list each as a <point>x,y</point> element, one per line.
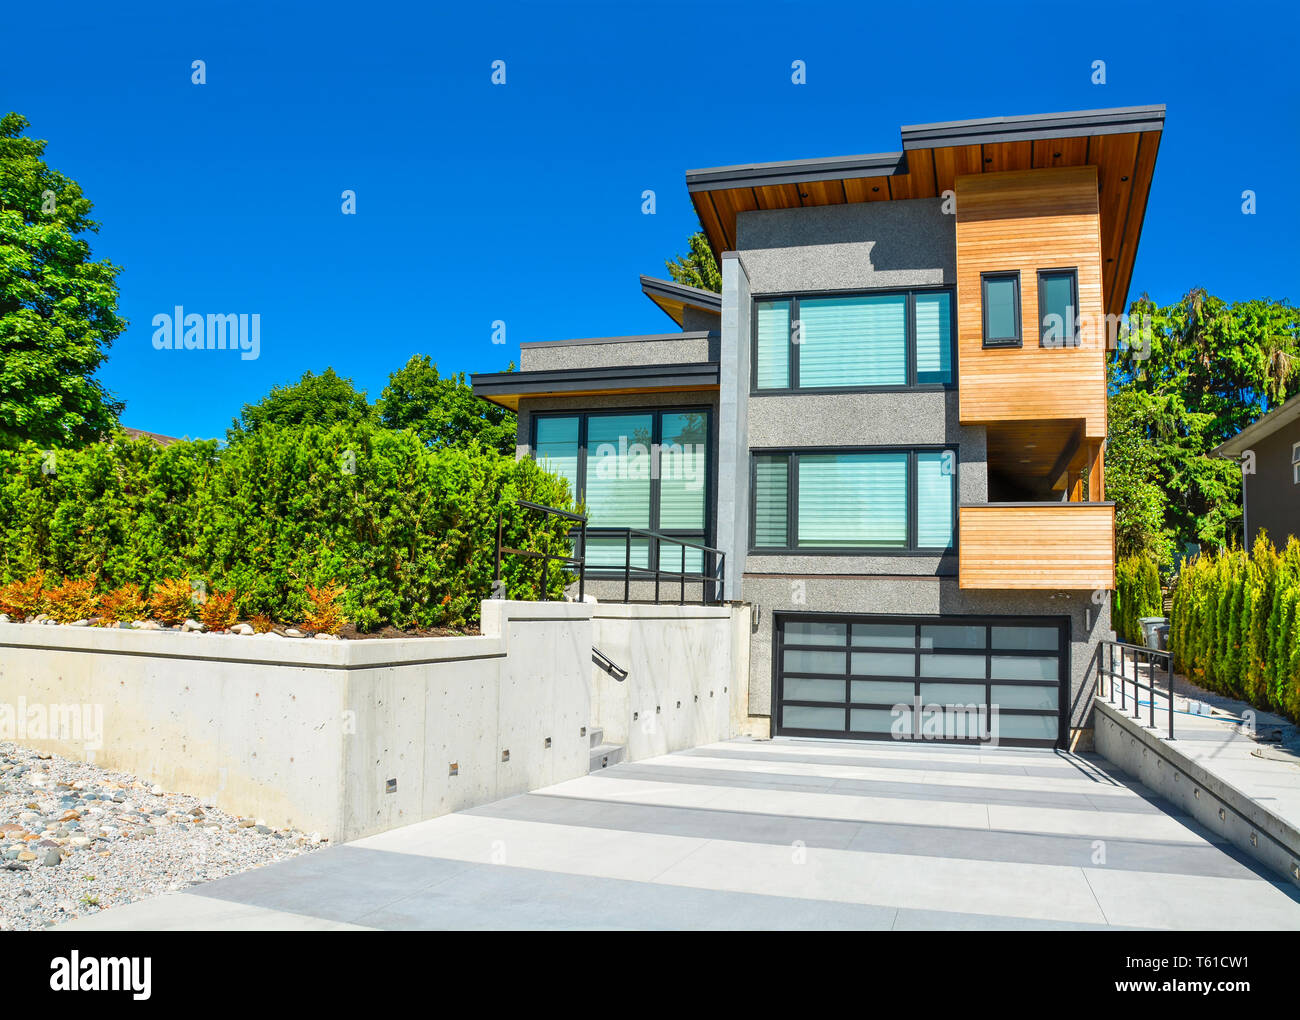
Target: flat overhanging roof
<point>675,297</point>
<point>1121,143</point>
<point>508,388</point>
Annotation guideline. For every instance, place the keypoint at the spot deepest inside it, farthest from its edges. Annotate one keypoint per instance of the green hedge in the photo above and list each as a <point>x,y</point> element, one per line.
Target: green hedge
<point>1137,594</point>
<point>408,531</point>
<point>1236,624</point>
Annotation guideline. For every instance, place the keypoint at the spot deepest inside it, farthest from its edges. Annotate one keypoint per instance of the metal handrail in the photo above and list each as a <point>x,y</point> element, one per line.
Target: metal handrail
<point>1136,654</point>
<point>716,578</point>
<point>498,585</point>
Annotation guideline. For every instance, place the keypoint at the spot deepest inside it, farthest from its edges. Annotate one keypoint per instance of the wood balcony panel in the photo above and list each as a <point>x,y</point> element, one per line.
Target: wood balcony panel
<point>1058,546</point>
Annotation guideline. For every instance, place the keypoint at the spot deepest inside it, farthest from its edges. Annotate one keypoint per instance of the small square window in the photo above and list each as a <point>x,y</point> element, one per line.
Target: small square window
<point>1001,300</point>
<point>1058,308</point>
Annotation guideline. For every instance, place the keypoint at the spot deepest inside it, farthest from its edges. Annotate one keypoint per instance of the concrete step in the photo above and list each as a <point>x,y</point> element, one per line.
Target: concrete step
<point>605,755</point>
<point>597,735</point>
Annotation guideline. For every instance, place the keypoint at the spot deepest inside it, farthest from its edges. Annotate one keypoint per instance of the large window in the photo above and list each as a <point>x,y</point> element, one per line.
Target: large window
<point>1000,298</point>
<point>853,501</point>
<point>633,469</point>
<point>894,339</point>
<point>1058,307</point>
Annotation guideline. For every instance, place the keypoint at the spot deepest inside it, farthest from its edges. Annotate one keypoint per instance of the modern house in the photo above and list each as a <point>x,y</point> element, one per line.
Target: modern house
<point>890,424</point>
<point>1269,450</point>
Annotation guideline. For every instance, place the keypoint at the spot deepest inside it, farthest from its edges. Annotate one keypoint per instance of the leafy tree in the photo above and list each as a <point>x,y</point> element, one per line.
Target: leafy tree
<point>443,411</point>
<point>1133,481</point>
<point>697,268</point>
<point>58,308</point>
<point>1205,370</point>
<point>324,399</point>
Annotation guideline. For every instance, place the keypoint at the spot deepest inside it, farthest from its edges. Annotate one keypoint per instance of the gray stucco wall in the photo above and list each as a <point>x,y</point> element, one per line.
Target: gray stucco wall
<point>668,349</point>
<point>1273,499</point>
<point>697,319</point>
<point>845,247</point>
<point>733,423</point>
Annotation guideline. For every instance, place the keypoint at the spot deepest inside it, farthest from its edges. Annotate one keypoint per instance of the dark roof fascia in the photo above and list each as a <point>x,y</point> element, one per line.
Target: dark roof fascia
<point>879,164</point>
<point>693,297</point>
<point>695,373</point>
<point>1075,124</point>
<point>1280,416</point>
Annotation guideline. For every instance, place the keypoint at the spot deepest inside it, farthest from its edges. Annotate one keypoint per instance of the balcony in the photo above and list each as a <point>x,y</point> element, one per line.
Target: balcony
<point>1060,546</point>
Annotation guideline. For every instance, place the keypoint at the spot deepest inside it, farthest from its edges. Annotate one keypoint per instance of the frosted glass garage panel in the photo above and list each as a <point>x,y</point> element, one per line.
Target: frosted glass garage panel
<point>885,635</point>
<point>953,666</point>
<point>803,717</point>
<point>809,689</point>
<point>803,661</point>
<point>1027,639</point>
<point>1026,667</point>
<point>952,694</point>
<point>1025,727</point>
<point>880,720</point>
<point>884,664</point>
<point>882,692</point>
<point>941,636</point>
<point>814,632</point>
<point>1045,699</point>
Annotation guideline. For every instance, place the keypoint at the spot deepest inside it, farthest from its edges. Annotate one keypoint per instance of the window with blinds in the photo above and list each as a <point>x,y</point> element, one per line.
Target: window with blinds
<point>647,470</point>
<point>889,500</point>
<point>894,339</point>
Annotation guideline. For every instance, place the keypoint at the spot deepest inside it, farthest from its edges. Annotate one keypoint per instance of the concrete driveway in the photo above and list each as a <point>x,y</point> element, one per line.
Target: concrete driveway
<point>771,834</point>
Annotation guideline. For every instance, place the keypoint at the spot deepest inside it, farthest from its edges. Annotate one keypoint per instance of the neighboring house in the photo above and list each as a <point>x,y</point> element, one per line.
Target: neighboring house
<point>895,412</point>
<point>153,436</point>
<point>1272,496</point>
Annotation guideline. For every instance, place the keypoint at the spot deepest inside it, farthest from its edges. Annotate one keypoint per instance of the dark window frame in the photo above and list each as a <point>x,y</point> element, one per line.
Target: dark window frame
<point>656,412</point>
<point>792,363</point>
<point>1018,340</point>
<point>1072,337</point>
<point>792,547</point>
<point>779,645</point>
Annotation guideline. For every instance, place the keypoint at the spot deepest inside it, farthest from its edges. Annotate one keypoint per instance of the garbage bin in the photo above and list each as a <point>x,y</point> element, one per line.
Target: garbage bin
<point>1151,628</point>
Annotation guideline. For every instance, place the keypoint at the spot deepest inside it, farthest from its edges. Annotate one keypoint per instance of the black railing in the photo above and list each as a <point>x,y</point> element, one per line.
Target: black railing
<point>710,580</point>
<point>1137,657</point>
<point>654,548</point>
<point>547,558</point>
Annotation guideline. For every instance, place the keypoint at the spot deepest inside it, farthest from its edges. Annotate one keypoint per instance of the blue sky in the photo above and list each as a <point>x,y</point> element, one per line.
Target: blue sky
<point>522,202</point>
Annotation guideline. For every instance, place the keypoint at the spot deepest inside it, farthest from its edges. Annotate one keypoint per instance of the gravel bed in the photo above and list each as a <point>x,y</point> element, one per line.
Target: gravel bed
<point>76,839</point>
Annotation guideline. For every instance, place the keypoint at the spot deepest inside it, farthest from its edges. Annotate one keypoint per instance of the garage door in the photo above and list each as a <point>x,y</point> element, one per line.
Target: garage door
<point>958,679</point>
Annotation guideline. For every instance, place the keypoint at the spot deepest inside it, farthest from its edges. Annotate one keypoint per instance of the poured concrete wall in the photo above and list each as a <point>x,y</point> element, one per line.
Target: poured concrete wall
<point>308,733</point>
<point>687,679</point>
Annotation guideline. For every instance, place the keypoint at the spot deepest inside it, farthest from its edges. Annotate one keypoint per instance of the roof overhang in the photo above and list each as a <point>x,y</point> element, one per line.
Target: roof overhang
<point>1121,143</point>
<point>674,298</point>
<point>1262,429</point>
<point>508,388</point>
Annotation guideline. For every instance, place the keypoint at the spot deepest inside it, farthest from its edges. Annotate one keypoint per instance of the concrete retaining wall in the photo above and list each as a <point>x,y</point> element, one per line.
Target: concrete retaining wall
<point>349,738</point>
<point>309,733</point>
<point>687,681</point>
<point>1217,805</point>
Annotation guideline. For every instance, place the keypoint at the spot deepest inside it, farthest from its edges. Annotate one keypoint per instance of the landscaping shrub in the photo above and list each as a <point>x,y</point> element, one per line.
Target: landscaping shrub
<point>1137,594</point>
<point>326,615</point>
<point>261,623</point>
<point>123,604</point>
<point>24,597</point>
<point>219,611</point>
<point>172,601</point>
<point>1236,624</point>
<point>72,600</point>
<point>405,532</point>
